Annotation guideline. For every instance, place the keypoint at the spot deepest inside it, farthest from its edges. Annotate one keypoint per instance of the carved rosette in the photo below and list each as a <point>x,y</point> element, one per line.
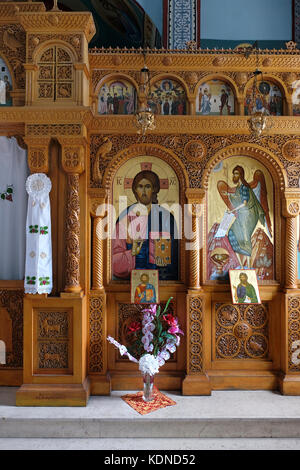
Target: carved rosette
<point>291,209</point>
<point>291,150</point>
<point>195,327</point>
<point>38,154</point>
<point>241,331</point>
<point>293,333</point>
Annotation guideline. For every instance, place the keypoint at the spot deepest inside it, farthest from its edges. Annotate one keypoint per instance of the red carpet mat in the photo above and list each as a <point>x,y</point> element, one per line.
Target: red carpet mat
<point>138,404</point>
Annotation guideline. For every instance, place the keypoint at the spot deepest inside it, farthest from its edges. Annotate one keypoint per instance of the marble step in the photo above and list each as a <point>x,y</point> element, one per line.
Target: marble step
<point>224,414</point>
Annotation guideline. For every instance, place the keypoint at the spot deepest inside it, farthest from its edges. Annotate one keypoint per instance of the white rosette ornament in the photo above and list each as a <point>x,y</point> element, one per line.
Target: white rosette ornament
<point>38,266</point>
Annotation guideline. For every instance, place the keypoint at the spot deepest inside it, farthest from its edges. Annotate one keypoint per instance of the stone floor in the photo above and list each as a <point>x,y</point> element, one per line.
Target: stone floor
<point>225,420</point>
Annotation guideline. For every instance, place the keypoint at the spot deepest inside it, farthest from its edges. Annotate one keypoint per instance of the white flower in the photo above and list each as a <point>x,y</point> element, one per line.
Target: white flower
<point>148,364</point>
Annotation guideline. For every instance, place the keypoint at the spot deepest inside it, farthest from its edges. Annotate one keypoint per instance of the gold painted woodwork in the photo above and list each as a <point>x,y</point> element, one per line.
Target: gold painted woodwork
<point>55,387</point>
<point>65,140</point>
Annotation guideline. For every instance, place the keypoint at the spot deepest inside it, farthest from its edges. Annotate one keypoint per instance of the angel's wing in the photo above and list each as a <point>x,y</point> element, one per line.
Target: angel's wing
<point>224,189</point>
<point>260,190</point>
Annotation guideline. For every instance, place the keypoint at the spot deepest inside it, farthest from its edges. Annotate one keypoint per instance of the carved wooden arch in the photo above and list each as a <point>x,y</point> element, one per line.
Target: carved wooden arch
<point>54,42</point>
<point>115,75</point>
<point>265,157</point>
<point>271,78</point>
<point>218,76</point>
<point>144,149</point>
<point>279,178</point>
<point>171,76</point>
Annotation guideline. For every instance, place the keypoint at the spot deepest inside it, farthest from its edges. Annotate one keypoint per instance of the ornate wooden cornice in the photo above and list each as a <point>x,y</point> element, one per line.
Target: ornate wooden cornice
<point>58,22</point>
<point>193,125</point>
<point>214,61</point>
<point>43,115</point>
<point>9,11</point>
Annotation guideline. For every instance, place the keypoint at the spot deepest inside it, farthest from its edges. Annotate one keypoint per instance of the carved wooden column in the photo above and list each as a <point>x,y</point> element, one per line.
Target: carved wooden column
<point>97,361</point>
<point>97,210</point>
<point>290,310</point>
<point>38,153</point>
<point>196,381</point>
<point>291,209</point>
<point>73,152</point>
<point>195,198</point>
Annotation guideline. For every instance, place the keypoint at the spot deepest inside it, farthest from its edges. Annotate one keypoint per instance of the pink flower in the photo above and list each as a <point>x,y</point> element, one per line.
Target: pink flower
<point>175,329</point>
<point>173,322</point>
<point>151,310</point>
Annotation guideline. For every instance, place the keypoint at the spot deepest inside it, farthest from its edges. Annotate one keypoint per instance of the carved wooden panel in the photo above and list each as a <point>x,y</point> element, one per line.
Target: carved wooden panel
<point>195,322</point>
<point>97,339</point>
<point>12,302</point>
<point>54,337</point>
<point>241,331</point>
<point>195,152</point>
<point>294,333</point>
<point>55,74</point>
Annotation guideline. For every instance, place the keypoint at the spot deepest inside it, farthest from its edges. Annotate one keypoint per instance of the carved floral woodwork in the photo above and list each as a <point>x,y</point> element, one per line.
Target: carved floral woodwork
<point>241,331</point>
<point>268,149</point>
<point>293,333</point>
<point>54,335</point>
<point>73,155</point>
<point>38,156</point>
<point>97,333</point>
<point>290,210</point>
<point>72,234</point>
<point>12,301</point>
<point>195,334</point>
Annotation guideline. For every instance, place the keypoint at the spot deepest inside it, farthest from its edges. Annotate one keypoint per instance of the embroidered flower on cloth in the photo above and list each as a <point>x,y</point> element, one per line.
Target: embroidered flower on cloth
<point>43,255</point>
<point>32,254</point>
<point>38,186</point>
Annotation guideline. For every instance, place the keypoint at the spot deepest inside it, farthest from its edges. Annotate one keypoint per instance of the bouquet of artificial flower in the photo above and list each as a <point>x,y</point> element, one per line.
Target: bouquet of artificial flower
<point>155,339</point>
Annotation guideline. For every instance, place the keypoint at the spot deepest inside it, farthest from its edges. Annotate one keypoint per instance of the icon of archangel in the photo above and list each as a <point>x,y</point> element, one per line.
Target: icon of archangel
<point>243,237</point>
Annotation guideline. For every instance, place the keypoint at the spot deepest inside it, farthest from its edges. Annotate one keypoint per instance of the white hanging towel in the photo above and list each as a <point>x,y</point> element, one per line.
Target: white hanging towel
<point>38,267</point>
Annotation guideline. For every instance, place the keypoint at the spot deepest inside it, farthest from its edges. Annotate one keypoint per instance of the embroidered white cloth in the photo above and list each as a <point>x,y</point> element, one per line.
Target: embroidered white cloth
<point>14,172</point>
<point>38,267</point>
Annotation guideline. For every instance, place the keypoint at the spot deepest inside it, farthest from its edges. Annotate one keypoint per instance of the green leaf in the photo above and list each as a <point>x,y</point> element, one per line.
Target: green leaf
<point>167,305</point>
<point>169,336</point>
<point>9,190</point>
<point>2,196</point>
